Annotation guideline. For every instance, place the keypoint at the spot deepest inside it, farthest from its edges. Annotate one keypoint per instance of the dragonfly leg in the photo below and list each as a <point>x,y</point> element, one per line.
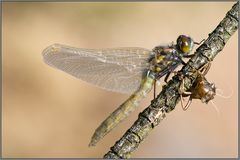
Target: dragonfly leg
<point>166,77</point>
<point>189,55</point>
<point>183,63</point>
<point>154,90</point>
<point>198,43</point>
<point>168,74</point>
<point>205,68</point>
<point>188,104</point>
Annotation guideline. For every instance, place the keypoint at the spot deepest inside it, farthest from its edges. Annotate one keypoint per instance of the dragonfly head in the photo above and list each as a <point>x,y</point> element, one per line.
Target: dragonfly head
<point>185,44</point>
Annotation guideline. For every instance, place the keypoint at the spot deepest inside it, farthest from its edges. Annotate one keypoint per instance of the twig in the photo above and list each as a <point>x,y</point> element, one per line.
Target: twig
<point>169,96</point>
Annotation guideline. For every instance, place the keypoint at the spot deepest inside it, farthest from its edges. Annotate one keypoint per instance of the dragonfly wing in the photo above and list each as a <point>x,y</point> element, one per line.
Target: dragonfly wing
<point>115,69</point>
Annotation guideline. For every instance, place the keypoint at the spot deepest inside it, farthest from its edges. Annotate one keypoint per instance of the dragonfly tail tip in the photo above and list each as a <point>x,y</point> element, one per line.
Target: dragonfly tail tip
<point>92,143</point>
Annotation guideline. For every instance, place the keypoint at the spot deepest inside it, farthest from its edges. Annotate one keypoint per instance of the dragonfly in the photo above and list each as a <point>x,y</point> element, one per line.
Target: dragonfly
<point>128,70</point>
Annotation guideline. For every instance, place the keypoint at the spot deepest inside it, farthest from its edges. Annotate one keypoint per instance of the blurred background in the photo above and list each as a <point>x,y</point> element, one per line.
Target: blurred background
<point>48,113</point>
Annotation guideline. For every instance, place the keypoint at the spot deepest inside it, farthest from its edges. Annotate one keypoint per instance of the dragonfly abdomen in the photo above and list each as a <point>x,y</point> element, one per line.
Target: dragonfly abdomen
<point>123,111</point>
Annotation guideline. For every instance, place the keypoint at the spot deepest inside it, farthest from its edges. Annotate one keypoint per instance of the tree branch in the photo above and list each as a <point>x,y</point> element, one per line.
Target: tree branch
<point>169,96</point>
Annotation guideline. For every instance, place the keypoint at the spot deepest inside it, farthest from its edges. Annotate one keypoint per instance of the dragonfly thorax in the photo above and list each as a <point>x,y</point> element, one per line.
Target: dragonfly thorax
<point>166,59</point>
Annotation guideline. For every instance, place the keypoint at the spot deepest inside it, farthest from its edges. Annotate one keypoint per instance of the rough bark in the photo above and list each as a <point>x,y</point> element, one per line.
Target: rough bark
<point>169,96</point>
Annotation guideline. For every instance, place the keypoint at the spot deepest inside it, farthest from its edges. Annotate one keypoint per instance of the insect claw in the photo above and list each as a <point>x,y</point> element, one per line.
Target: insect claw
<point>198,43</point>
<point>182,103</point>
<point>188,104</point>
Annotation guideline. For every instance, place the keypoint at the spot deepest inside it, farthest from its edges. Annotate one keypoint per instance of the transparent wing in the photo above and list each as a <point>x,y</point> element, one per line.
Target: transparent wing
<point>114,69</point>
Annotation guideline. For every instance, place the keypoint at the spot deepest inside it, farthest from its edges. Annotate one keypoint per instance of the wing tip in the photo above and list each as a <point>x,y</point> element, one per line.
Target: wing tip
<point>50,50</point>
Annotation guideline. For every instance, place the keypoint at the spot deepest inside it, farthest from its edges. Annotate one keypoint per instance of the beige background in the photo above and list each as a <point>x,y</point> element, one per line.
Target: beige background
<point>48,113</point>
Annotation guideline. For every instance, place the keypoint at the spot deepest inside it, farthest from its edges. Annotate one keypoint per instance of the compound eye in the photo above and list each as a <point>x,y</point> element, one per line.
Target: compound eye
<point>185,46</point>
<point>185,43</point>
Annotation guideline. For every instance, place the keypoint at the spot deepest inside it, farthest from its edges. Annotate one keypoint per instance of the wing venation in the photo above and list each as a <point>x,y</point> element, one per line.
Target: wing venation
<point>114,69</point>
